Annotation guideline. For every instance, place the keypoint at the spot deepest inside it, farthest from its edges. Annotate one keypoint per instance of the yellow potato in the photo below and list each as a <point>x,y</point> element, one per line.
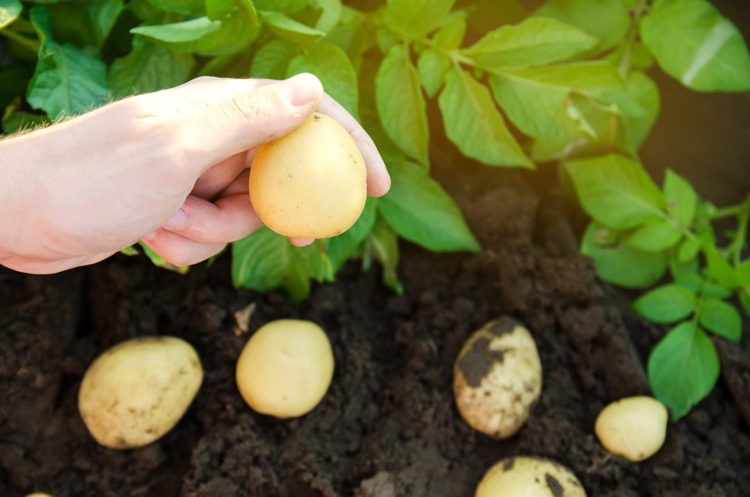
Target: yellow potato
<point>285,368</point>
<point>529,477</point>
<point>136,391</point>
<point>497,378</point>
<point>311,183</point>
<point>633,427</point>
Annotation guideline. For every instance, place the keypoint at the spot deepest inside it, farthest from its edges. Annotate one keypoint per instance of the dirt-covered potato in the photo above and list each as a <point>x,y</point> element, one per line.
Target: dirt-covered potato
<point>633,427</point>
<point>497,377</point>
<point>135,392</point>
<point>311,183</point>
<point>285,368</point>
<point>529,477</point>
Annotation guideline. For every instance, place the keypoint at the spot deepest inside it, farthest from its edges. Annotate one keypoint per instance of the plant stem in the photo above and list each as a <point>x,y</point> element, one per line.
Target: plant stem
<point>734,250</point>
<point>636,13</point>
<point>28,43</point>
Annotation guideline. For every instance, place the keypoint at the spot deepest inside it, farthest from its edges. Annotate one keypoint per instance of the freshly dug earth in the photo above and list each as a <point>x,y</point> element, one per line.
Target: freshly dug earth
<point>388,426</point>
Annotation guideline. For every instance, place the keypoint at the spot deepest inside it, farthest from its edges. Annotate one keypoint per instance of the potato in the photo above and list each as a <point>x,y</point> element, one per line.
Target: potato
<point>529,477</point>
<point>135,392</point>
<point>311,183</point>
<point>497,377</point>
<point>633,427</point>
<point>285,368</point>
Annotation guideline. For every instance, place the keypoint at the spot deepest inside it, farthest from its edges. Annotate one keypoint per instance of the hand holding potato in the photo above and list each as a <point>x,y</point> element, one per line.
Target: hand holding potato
<point>170,168</point>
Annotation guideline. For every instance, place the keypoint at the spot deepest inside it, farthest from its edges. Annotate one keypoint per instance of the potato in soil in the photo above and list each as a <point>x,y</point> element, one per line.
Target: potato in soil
<point>136,391</point>
<point>497,378</point>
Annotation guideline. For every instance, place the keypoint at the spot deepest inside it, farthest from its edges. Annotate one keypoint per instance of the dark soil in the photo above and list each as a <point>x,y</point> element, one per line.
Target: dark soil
<point>388,426</point>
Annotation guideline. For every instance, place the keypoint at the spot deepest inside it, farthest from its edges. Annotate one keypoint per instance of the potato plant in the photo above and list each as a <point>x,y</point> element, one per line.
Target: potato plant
<point>511,86</point>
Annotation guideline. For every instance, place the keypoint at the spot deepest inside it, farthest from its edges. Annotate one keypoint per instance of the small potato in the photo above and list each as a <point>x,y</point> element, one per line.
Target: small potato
<point>529,477</point>
<point>497,377</point>
<point>135,392</point>
<point>285,368</point>
<point>311,183</point>
<point>633,427</point>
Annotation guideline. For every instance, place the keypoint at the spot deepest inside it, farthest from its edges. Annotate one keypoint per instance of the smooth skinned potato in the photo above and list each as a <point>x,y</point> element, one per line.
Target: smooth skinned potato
<point>311,183</point>
<point>497,377</point>
<point>633,427</point>
<point>529,477</point>
<point>135,392</point>
<point>285,368</point>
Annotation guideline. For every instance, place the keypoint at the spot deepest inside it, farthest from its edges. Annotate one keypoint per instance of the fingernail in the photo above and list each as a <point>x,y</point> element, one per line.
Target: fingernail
<point>177,222</point>
<point>301,89</point>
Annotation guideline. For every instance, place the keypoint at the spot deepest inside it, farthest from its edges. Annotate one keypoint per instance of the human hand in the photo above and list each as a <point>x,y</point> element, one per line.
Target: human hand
<point>168,168</point>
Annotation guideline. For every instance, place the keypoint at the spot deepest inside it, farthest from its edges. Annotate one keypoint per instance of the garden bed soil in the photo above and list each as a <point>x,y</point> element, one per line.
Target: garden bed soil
<point>388,426</point>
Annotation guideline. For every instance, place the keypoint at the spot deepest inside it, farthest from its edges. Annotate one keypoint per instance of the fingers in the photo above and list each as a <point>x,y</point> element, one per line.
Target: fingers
<point>378,180</point>
<point>178,250</point>
<point>212,119</point>
<point>225,220</point>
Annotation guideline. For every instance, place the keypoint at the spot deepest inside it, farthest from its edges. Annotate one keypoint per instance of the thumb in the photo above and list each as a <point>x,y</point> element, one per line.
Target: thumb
<point>227,116</point>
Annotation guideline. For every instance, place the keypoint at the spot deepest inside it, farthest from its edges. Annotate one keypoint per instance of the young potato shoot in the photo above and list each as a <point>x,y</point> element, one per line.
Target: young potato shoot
<point>135,392</point>
<point>633,427</point>
<point>497,377</point>
<point>285,368</point>
<point>529,477</point>
<point>311,183</point>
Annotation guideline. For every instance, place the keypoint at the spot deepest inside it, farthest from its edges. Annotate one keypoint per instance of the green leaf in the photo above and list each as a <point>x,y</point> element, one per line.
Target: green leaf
<point>606,20</point>
<point>646,94</point>
<point>272,59</point>
<point>180,32</point>
<point>216,9</point>
<point>330,14</point>
<point>417,17</point>
<point>745,300</point>
<point>681,198</point>
<point>334,69</point>
<point>290,29</point>
<point>383,246</point>
<point>148,68</point>
<point>655,236</point>
<point>265,261</point>
<point>666,304</point>
<point>475,125</point>
<point>721,318</point>
<point>688,250</point>
<point>344,246</point>
<point>698,46</point>
<point>103,15</point>
<point>432,67</point>
<point>538,100</point>
<point>720,269</point>
<point>401,105</point>
<point>683,368</point>
<point>451,33</point>
<point>420,211</point>
<point>616,191</point>
<point>535,41</point>
<point>206,36</point>
<point>189,7</point>
<point>743,273</point>
<point>619,264</point>
<point>9,12</point>
<point>280,5</point>
<point>66,80</point>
